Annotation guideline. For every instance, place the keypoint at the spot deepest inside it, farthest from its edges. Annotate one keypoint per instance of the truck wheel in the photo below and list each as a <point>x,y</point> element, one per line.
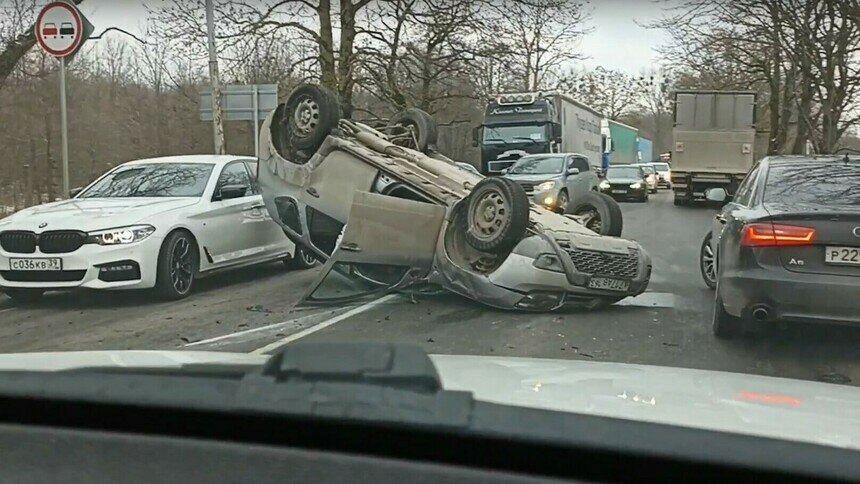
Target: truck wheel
<point>681,202</point>
<point>497,215</point>
<point>708,263</point>
<point>604,212</point>
<point>311,112</point>
<point>422,126</point>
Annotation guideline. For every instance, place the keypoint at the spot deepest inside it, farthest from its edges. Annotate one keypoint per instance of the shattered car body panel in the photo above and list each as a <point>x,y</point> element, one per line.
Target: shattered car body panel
<point>327,204</point>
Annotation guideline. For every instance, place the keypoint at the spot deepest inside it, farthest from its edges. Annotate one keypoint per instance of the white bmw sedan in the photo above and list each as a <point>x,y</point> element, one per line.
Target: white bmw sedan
<point>157,223</point>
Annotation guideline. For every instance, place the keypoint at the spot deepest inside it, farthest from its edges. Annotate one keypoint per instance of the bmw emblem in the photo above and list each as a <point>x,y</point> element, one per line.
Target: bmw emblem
<point>43,225</point>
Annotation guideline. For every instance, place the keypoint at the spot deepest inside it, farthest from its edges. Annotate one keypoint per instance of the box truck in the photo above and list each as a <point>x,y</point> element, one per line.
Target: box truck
<point>713,137</point>
<point>519,124</point>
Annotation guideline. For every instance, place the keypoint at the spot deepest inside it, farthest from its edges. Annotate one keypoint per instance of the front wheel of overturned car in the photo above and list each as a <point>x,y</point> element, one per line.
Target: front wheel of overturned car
<point>600,213</point>
<point>414,129</point>
<point>311,113</point>
<point>497,215</point>
<point>177,266</point>
<point>302,259</point>
<point>22,295</point>
<point>707,262</point>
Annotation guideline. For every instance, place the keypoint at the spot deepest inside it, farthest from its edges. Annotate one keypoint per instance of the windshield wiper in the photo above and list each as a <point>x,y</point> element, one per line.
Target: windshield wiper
<point>495,140</point>
<point>534,141</point>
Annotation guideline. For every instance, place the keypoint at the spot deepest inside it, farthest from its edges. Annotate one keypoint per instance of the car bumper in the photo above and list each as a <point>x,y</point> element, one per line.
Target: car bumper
<point>629,193</point>
<point>788,296</point>
<point>83,267</point>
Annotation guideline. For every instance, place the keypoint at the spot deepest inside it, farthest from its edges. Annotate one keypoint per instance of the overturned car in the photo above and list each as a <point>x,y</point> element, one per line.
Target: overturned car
<point>385,211</point>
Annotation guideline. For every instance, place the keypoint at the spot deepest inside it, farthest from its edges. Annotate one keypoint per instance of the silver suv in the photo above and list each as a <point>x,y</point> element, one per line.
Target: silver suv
<point>554,179</point>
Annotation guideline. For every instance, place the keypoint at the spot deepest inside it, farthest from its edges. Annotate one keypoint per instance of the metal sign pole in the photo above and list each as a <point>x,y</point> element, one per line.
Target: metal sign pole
<point>256,106</point>
<point>64,134</point>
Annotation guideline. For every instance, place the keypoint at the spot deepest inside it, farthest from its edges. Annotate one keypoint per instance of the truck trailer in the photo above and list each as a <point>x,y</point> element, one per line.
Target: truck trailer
<point>519,124</point>
<point>646,150</point>
<point>713,138</point>
<point>621,143</point>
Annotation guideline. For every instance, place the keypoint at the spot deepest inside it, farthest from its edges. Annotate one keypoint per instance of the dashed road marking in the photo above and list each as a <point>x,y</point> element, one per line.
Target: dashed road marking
<point>650,300</point>
<point>323,325</point>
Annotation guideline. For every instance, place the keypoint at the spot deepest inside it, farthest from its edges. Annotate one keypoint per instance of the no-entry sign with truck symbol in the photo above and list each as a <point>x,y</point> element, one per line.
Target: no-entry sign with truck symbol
<point>61,29</point>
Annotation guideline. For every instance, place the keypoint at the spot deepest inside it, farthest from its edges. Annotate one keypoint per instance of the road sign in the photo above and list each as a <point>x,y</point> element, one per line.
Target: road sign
<point>242,102</point>
<point>61,29</point>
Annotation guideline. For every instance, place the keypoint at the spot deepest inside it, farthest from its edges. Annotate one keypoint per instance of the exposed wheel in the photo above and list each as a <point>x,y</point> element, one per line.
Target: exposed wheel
<point>311,112</point>
<point>602,212</point>
<point>497,215</point>
<point>653,190</point>
<point>707,262</point>
<point>22,295</point>
<point>414,129</point>
<point>725,325</point>
<point>680,202</point>
<point>177,266</point>
<point>302,259</point>
<point>563,201</point>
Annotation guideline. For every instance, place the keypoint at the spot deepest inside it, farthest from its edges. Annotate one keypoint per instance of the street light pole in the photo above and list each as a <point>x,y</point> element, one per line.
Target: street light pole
<point>217,113</point>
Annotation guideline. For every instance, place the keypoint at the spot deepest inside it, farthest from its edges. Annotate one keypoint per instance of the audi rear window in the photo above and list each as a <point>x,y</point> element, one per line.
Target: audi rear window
<point>830,183</point>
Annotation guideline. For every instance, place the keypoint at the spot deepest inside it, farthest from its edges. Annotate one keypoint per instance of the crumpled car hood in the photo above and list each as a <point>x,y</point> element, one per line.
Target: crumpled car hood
<point>780,408</point>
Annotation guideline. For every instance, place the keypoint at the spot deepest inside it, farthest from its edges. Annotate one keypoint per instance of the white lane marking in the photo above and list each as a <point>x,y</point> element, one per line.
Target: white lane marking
<point>650,300</point>
<point>270,327</point>
<point>323,325</point>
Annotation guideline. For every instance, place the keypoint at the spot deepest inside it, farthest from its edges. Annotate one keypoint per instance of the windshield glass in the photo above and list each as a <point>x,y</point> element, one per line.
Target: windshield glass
<point>832,183</point>
<point>514,134</point>
<point>624,172</point>
<point>661,167</point>
<point>153,180</point>
<point>541,165</point>
<point>648,169</point>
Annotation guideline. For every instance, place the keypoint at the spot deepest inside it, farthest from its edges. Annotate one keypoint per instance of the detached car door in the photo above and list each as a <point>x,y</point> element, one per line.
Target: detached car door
<point>388,243</point>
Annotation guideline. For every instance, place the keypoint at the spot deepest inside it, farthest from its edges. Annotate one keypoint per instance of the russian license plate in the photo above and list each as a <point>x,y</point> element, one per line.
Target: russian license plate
<point>45,264</point>
<point>842,256</point>
<point>608,283</point>
<point>619,191</point>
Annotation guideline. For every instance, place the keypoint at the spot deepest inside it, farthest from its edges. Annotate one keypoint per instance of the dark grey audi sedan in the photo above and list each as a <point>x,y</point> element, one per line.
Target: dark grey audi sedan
<point>786,247</point>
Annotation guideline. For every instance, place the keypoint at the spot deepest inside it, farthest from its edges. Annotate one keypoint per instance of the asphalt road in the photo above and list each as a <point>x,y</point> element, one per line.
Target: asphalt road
<point>255,310</point>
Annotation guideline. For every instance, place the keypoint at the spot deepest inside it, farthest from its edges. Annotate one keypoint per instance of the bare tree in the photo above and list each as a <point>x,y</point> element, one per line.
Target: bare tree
<point>611,92</point>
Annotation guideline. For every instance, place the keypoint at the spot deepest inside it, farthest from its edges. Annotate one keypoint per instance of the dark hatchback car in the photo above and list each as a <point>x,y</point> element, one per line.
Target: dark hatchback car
<point>787,245</point>
<point>625,182</point>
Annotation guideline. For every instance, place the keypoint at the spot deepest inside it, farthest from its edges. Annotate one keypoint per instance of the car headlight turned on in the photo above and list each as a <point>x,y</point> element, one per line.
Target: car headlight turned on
<point>120,235</point>
<point>636,185</point>
<point>604,185</point>
<point>545,186</point>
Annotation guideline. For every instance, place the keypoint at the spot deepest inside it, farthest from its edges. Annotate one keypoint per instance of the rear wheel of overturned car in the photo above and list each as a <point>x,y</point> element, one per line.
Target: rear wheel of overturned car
<point>599,213</point>
<point>708,263</point>
<point>497,215</point>
<point>413,128</point>
<point>177,266</point>
<point>311,113</point>
<point>22,295</point>
<point>302,259</point>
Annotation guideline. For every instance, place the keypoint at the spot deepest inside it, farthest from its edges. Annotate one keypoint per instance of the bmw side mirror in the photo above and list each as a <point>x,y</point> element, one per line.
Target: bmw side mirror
<point>716,194</point>
<point>74,191</point>
<point>228,192</point>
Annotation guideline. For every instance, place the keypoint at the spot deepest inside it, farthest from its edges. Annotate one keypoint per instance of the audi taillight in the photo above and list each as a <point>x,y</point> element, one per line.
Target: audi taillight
<point>776,235</point>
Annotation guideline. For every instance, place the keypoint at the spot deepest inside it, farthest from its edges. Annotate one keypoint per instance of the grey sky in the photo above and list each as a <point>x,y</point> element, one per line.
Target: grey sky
<point>616,41</point>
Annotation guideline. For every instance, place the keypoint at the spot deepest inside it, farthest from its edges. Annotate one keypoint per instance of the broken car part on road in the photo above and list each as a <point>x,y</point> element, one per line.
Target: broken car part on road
<point>386,211</point>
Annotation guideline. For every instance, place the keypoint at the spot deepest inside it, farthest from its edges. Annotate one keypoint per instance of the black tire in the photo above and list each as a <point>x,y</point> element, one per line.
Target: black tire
<point>302,259</point>
<point>707,262</point>
<point>653,191</point>
<point>422,124</point>
<point>497,215</point>
<point>24,295</point>
<point>724,325</point>
<point>563,201</point>
<point>610,221</point>
<point>310,114</point>
<point>178,261</point>
<point>680,202</point>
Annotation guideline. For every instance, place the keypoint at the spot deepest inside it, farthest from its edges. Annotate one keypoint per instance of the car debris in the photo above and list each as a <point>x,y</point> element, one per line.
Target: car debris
<point>386,211</point>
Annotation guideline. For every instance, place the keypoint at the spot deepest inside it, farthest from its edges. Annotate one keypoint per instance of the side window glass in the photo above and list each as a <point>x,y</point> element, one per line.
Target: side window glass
<point>235,174</point>
<point>745,189</point>
<point>581,164</point>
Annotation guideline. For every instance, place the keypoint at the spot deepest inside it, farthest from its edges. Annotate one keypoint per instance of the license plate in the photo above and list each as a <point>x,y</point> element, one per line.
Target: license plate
<point>46,264</point>
<point>608,283</point>
<point>842,256</point>
<point>619,191</point>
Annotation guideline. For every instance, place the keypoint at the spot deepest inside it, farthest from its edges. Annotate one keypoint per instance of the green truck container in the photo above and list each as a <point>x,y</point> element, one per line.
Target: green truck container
<point>621,142</point>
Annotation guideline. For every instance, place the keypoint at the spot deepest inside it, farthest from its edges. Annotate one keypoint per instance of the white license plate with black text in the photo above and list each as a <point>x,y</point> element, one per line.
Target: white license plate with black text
<point>619,191</point>
<point>40,264</point>
<point>608,283</point>
<point>842,256</point>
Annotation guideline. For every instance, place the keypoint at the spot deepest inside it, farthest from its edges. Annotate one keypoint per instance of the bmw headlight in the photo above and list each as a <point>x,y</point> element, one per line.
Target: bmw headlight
<point>120,235</point>
<point>545,186</point>
<point>604,184</point>
<point>636,185</point>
